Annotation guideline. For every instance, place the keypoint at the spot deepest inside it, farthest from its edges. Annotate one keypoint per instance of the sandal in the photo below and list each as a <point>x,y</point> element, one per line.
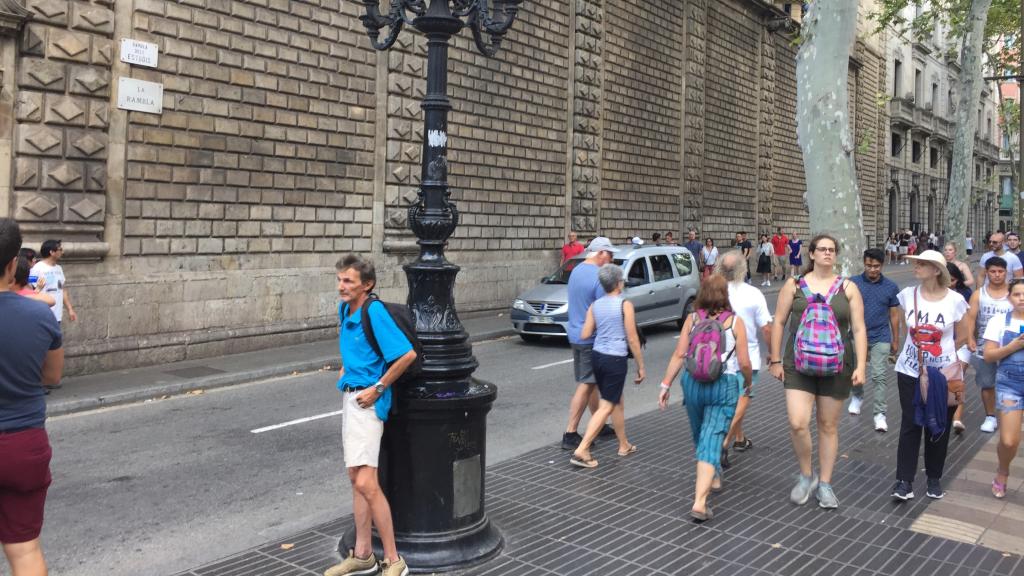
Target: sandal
<point>999,488</point>
<point>583,462</point>
<point>702,516</point>
<point>632,449</point>
<point>718,488</point>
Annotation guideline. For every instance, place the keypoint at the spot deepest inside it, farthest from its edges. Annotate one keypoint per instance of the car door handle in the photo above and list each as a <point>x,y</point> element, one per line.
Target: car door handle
<point>651,292</point>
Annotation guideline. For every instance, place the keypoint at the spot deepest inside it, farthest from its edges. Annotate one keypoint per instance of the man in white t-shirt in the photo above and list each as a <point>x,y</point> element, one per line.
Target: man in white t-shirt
<point>49,268</point>
<point>749,304</point>
<point>1014,269</point>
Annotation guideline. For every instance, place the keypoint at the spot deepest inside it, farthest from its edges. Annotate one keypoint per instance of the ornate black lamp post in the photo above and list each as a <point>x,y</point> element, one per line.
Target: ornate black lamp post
<point>432,465</point>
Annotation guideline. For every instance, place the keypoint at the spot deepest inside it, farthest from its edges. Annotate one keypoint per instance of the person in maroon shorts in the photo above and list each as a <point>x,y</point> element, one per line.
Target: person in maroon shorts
<point>30,356</point>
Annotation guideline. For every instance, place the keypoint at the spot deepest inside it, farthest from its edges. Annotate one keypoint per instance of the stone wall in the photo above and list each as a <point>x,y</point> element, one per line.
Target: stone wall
<point>286,140</point>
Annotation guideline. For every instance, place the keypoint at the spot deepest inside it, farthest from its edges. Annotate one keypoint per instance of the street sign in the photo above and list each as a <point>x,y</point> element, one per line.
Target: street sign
<point>140,95</point>
<point>138,52</point>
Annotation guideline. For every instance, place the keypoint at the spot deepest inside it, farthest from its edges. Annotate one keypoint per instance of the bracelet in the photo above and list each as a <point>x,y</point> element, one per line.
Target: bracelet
<point>774,362</point>
<point>665,386</point>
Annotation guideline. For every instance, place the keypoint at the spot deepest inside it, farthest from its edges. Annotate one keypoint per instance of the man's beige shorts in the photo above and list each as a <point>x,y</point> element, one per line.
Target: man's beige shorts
<point>361,431</point>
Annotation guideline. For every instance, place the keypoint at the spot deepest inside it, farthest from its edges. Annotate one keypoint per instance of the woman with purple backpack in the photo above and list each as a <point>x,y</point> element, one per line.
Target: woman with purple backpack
<point>713,347</point>
<point>818,366</point>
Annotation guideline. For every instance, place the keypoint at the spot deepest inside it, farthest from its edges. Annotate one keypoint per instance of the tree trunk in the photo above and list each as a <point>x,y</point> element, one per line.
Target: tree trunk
<point>823,128</point>
<point>962,174</point>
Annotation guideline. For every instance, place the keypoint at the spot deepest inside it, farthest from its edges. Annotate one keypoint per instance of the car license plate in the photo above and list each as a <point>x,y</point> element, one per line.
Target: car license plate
<point>541,320</point>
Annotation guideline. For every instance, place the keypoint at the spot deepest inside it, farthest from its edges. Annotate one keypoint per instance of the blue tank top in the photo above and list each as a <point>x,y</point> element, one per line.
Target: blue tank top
<point>610,336</point>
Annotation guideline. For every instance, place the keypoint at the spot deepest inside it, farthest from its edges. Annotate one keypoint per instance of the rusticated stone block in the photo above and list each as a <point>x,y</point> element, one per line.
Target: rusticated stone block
<point>92,18</point>
<point>63,175</point>
<point>42,74</point>
<point>39,140</point>
<point>89,81</point>
<point>29,106</point>
<point>68,45</point>
<point>84,208</point>
<point>66,110</point>
<point>37,206</point>
<point>26,172</point>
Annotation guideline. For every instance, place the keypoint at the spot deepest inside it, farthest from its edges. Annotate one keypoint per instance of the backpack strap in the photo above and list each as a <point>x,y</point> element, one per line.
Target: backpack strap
<point>367,324</point>
<point>836,287</point>
<point>802,284</point>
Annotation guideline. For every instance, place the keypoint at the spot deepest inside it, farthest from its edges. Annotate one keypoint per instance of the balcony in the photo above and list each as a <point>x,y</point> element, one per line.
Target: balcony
<point>901,113</point>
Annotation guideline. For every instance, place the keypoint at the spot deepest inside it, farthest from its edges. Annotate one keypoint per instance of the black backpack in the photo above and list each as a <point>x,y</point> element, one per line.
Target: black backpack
<point>402,316</point>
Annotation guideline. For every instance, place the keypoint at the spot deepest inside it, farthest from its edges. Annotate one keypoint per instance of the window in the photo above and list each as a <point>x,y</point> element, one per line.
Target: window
<point>638,273</point>
<point>935,97</point>
<point>897,145</point>
<point>916,151</point>
<point>662,267</point>
<point>988,128</point>
<point>918,88</point>
<point>683,262</point>
<point>949,103</point>
<point>896,84</point>
<point>977,171</point>
<point>933,157</point>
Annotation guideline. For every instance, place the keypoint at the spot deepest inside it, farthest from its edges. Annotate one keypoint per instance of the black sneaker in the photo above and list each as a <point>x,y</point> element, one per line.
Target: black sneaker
<point>903,491</point>
<point>743,446</point>
<point>935,489</point>
<point>606,431</point>
<point>725,459</point>
<point>571,440</point>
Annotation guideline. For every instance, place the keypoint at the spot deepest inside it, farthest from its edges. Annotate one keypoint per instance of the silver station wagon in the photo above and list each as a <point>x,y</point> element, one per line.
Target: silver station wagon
<point>661,282</point>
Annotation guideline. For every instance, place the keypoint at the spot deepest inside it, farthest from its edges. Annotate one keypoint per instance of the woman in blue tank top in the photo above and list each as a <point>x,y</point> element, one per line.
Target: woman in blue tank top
<point>1004,343</point>
<point>611,320</point>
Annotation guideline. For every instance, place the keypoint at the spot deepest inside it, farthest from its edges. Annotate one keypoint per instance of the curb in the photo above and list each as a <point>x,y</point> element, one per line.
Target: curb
<point>71,406</point>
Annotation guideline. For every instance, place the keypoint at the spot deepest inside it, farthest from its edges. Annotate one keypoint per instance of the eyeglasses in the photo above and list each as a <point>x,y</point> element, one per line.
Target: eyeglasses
<point>825,250</point>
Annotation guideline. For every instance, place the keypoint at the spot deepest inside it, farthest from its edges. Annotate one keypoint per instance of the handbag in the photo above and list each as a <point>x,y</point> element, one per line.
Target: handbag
<point>954,373</point>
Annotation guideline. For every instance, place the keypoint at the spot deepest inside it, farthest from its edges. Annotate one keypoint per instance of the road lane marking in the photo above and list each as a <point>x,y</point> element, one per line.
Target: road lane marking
<point>559,363</point>
<point>294,422</point>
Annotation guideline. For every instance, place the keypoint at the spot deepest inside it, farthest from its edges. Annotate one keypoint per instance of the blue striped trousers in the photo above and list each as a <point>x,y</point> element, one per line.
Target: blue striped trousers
<point>710,408</point>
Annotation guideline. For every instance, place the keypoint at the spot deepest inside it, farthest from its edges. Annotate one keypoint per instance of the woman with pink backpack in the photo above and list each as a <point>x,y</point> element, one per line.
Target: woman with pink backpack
<point>818,365</point>
<point>713,347</point>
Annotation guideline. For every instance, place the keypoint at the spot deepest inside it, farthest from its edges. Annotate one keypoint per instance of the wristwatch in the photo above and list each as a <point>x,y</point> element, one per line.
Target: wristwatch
<point>379,387</point>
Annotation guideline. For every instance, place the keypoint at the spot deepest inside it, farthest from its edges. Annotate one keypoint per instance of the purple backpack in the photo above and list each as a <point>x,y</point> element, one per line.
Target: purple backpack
<point>818,347</point>
<point>704,360</point>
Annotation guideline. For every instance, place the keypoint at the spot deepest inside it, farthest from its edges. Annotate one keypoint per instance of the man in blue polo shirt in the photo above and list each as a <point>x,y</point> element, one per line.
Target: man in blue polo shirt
<point>881,317</point>
<point>365,381</point>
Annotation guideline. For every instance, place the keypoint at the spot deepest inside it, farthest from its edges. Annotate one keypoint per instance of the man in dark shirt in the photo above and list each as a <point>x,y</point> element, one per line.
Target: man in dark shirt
<point>30,356</point>
<point>695,248</point>
<point>745,247</point>
<point>882,319</point>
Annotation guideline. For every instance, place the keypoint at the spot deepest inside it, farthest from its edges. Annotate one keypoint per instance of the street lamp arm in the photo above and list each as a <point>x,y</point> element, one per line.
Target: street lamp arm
<point>481,22</point>
<point>374,21</point>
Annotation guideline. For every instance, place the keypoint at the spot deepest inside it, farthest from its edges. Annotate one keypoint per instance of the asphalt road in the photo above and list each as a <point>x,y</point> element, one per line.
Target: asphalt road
<point>162,486</point>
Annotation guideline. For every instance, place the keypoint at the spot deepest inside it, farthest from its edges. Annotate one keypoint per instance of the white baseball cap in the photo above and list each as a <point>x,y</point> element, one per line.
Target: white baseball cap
<point>601,244</point>
<point>637,241</point>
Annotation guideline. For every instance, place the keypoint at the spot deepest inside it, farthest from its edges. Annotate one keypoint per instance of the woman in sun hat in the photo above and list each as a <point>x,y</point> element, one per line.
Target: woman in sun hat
<point>932,313</point>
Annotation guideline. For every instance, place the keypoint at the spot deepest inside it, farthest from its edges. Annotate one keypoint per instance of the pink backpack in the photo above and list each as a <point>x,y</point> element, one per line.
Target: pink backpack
<point>704,359</point>
<point>818,347</point>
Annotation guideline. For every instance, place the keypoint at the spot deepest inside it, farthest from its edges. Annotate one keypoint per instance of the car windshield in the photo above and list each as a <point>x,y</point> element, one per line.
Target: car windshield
<point>561,276</point>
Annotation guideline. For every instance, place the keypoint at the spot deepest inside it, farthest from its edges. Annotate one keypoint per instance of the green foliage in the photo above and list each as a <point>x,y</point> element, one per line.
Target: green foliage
<point>1003,18</point>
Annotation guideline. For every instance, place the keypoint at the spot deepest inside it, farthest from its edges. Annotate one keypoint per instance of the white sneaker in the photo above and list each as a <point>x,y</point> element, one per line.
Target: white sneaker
<point>990,424</point>
<point>768,283</point>
<point>880,424</point>
<point>855,405</point>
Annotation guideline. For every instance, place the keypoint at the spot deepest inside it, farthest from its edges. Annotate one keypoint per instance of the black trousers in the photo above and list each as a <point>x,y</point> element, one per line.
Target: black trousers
<point>910,437</point>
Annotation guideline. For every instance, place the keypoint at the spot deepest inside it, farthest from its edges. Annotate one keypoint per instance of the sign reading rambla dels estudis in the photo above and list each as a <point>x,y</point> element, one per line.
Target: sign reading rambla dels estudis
<point>140,95</point>
<point>139,53</point>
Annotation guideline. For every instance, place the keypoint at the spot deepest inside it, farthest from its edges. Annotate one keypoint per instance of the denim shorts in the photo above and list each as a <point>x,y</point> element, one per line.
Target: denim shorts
<point>1010,389</point>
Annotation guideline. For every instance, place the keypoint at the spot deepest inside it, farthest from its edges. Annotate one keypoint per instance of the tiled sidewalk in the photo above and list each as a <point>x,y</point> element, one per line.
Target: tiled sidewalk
<point>630,515</point>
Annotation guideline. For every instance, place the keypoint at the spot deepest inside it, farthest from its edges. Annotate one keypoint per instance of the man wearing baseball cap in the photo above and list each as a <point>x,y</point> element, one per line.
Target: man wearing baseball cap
<point>584,289</point>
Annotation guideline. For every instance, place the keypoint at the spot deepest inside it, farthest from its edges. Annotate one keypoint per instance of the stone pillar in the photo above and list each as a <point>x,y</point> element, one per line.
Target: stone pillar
<point>586,117</point>
<point>406,70</point>
<point>766,134</point>
<point>693,157</point>
<point>12,18</point>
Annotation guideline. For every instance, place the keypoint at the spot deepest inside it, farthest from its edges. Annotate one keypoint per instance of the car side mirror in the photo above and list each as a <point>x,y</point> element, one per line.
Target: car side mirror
<point>544,280</point>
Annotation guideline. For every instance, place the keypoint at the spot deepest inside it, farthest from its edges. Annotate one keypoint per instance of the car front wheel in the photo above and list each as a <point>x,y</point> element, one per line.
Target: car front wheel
<point>687,310</point>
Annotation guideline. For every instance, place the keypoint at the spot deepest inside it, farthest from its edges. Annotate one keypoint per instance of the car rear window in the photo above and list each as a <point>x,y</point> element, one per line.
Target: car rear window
<point>683,262</point>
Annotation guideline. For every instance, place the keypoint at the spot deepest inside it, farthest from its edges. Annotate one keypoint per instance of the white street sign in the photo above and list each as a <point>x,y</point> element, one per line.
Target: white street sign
<point>138,52</point>
<point>140,95</point>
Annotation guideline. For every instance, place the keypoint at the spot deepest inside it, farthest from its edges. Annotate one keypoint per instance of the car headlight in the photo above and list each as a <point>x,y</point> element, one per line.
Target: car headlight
<point>519,305</point>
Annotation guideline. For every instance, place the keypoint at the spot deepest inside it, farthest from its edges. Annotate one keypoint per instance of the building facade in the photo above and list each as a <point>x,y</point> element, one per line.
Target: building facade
<point>285,141</point>
<point>922,90</point>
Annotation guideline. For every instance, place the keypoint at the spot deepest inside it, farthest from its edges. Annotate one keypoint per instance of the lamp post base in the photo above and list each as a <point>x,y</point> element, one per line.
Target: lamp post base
<point>432,471</point>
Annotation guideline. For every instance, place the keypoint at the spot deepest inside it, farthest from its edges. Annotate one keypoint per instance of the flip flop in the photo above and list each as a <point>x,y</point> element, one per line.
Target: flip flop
<point>583,462</point>
<point>999,489</point>
<point>718,488</point>
<point>631,450</point>
<point>702,516</point>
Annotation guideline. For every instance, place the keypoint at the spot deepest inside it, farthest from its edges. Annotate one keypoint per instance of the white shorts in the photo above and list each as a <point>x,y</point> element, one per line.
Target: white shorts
<point>361,431</point>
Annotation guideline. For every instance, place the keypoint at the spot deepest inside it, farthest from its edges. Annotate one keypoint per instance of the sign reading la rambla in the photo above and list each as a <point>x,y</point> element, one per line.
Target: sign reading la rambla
<point>140,95</point>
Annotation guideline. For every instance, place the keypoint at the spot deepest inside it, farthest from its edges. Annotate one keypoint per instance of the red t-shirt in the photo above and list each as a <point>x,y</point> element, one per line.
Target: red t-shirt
<point>779,244</point>
<point>570,250</point>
